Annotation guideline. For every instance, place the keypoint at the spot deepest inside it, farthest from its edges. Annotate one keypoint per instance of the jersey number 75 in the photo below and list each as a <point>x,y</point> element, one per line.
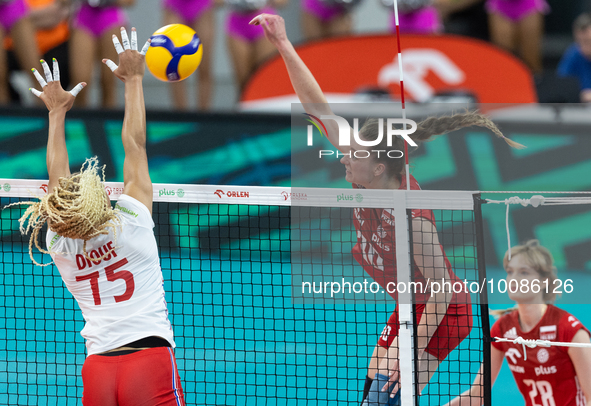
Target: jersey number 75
<point>111,277</point>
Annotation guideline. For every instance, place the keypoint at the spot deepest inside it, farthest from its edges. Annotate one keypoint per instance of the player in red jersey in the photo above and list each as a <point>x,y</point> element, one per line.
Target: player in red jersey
<point>444,318</point>
<point>546,376</point>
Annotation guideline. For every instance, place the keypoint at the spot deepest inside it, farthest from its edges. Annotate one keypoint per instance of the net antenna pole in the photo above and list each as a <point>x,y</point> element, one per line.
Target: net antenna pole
<point>405,319</point>
<point>405,334</point>
<point>395,3</point>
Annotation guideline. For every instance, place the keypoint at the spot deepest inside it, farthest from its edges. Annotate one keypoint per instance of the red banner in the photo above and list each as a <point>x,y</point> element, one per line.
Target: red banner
<point>431,65</point>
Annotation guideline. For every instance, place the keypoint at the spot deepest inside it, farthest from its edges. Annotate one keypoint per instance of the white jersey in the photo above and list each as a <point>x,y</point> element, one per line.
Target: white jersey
<point>122,295</point>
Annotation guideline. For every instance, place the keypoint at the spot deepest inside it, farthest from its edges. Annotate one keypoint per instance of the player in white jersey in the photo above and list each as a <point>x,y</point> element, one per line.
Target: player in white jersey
<point>108,258</point>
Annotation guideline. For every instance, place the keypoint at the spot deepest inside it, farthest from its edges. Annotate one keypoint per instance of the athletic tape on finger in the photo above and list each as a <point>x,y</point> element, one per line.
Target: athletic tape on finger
<point>145,48</point>
<point>111,65</point>
<point>47,71</point>
<point>74,92</point>
<point>133,40</point>
<point>39,78</point>
<point>125,39</point>
<point>117,44</point>
<point>36,92</point>
<point>56,71</point>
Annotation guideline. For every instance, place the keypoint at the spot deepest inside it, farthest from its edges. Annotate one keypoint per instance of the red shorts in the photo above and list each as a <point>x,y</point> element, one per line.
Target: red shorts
<point>146,377</point>
<point>455,326</point>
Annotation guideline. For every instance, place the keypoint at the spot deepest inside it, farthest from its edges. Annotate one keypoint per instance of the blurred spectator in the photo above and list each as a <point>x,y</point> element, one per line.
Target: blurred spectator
<point>576,61</point>
<point>415,16</point>
<point>464,17</point>
<point>198,14</point>
<point>247,44</point>
<point>15,22</point>
<point>91,40</point>
<point>518,26</point>
<point>50,20</point>
<point>326,18</point>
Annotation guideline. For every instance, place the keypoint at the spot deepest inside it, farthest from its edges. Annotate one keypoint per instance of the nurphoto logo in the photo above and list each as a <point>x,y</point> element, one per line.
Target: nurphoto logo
<point>344,140</point>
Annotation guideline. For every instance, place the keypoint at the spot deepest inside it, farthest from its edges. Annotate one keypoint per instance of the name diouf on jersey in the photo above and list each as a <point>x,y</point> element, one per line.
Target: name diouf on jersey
<point>83,262</point>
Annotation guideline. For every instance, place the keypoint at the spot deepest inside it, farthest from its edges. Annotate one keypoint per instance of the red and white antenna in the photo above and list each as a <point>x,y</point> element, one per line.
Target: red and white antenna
<point>402,91</point>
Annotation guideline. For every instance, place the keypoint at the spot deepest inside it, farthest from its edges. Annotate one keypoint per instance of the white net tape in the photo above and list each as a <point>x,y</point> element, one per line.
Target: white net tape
<point>536,201</point>
<point>539,343</point>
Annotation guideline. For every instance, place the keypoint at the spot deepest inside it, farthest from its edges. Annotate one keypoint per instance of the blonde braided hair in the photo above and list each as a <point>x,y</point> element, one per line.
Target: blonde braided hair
<point>426,129</point>
<point>77,208</point>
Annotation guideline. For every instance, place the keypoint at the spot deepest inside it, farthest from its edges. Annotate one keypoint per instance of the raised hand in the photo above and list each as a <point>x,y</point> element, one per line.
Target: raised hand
<point>274,27</point>
<point>131,62</point>
<point>52,93</point>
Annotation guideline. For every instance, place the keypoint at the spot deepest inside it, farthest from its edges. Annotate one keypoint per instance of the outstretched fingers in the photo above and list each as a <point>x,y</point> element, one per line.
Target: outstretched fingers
<point>52,77</point>
<point>74,92</point>
<point>39,78</point>
<point>133,39</point>
<point>56,71</point>
<point>117,44</point>
<point>47,71</point>
<point>112,65</point>
<point>146,47</point>
<point>35,92</point>
<point>125,39</point>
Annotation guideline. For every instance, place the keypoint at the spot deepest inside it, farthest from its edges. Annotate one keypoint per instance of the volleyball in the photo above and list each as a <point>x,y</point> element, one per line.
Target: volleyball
<point>175,53</point>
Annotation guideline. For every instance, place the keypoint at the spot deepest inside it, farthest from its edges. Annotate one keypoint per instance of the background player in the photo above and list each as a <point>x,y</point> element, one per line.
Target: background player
<point>108,259</point>
<point>518,26</point>
<point>246,43</point>
<point>199,15</point>
<point>322,19</point>
<point>445,318</point>
<point>14,21</point>
<point>92,28</point>
<point>556,376</point>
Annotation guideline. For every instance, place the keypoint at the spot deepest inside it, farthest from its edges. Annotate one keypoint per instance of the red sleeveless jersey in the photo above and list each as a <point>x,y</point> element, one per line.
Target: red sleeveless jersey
<point>375,250</point>
<point>547,377</point>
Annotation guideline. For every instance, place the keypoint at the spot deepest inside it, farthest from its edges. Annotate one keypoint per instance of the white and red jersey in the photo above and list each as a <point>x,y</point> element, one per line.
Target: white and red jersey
<point>375,250</point>
<point>122,295</point>
<point>547,377</point>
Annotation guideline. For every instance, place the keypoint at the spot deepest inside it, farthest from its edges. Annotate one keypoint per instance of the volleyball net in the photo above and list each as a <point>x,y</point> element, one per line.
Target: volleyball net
<point>242,268</point>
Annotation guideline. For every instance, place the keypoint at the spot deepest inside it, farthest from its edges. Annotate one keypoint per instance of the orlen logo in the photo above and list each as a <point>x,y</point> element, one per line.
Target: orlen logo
<point>43,187</point>
<point>220,192</point>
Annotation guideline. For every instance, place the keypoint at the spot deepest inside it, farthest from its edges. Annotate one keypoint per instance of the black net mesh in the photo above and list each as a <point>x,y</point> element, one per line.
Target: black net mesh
<point>240,337</point>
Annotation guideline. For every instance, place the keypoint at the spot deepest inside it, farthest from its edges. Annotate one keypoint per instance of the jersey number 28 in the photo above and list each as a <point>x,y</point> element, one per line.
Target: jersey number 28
<point>544,389</point>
